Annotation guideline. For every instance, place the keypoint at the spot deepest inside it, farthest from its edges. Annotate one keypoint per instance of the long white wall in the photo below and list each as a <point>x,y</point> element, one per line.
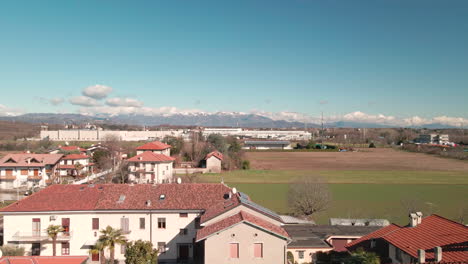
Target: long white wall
<point>100,135</point>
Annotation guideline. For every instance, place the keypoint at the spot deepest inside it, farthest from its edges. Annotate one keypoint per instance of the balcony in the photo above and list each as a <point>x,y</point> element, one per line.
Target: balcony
<point>39,236</point>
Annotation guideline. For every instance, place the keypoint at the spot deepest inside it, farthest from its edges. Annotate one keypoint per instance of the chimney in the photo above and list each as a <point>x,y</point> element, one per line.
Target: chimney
<point>413,219</point>
<point>421,256</point>
<point>419,215</point>
<point>148,203</point>
<point>438,254</point>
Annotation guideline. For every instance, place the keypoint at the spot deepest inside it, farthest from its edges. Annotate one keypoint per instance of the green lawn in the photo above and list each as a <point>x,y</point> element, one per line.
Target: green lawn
<point>370,200</point>
<point>368,176</point>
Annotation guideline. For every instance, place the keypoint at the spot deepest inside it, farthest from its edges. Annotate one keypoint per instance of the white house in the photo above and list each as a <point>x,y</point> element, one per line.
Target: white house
<point>27,169</point>
<point>150,167</point>
<point>155,147</point>
<point>75,165</point>
<point>205,223</point>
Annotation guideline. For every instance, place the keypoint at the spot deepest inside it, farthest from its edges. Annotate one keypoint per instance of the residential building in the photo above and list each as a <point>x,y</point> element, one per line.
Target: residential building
<point>213,162</point>
<point>429,239</point>
<point>44,260</point>
<point>439,139</point>
<point>67,149</point>
<point>307,239</point>
<point>155,147</point>
<point>201,223</point>
<point>267,144</point>
<point>28,169</point>
<point>150,167</point>
<point>75,165</point>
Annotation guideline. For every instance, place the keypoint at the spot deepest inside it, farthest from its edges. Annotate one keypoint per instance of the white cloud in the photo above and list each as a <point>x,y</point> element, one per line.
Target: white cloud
<point>56,101</point>
<point>97,91</point>
<point>128,102</point>
<point>359,116</point>
<point>7,111</point>
<point>84,101</point>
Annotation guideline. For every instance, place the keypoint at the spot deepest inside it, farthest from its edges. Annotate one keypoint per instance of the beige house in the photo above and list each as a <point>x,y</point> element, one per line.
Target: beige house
<point>27,169</point>
<point>201,223</point>
<point>213,162</point>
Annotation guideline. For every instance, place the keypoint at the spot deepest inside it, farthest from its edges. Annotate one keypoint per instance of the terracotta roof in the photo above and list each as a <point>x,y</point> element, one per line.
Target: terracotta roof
<point>36,160</point>
<point>149,156</point>
<point>156,145</point>
<point>433,231</point>
<point>185,196</point>
<point>44,260</point>
<point>374,235</point>
<point>72,148</point>
<point>241,217</point>
<point>215,154</point>
<point>75,157</point>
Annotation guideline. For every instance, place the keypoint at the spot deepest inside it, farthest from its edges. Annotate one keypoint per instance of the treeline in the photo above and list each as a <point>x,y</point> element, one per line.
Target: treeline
<point>449,152</point>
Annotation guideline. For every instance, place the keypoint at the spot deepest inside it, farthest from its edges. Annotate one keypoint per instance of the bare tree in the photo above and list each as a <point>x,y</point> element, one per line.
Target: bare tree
<point>309,195</point>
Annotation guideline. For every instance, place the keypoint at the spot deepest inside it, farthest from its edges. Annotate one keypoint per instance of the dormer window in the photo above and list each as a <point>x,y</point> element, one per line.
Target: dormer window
<point>10,160</point>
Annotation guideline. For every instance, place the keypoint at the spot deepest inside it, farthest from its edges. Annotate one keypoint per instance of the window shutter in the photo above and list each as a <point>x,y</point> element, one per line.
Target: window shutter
<point>258,250</point>
<point>95,223</point>
<point>234,250</point>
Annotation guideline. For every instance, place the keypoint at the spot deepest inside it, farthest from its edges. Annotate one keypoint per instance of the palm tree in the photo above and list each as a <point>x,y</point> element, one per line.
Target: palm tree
<point>109,238</point>
<point>99,249</point>
<point>53,231</point>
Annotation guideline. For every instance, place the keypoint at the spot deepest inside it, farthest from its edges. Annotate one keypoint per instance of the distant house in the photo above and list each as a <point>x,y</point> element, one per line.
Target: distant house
<point>69,165</point>
<point>150,167</point>
<point>68,149</point>
<point>155,147</point>
<point>267,144</point>
<point>27,169</point>
<point>213,161</point>
<point>308,240</point>
<point>429,239</point>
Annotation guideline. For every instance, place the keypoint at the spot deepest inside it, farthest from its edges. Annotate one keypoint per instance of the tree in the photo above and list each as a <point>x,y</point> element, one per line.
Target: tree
<point>177,144</point>
<point>109,238</point>
<point>308,196</point>
<point>10,250</point>
<point>141,252</point>
<point>362,257</point>
<point>218,142</point>
<point>52,232</point>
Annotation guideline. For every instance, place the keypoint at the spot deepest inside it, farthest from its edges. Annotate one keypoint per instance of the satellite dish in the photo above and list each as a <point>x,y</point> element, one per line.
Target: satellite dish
<point>179,180</point>
<point>234,190</point>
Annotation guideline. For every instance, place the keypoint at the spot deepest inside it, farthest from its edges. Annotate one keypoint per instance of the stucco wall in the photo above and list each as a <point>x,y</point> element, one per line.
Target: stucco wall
<point>213,164</point>
<point>392,254</point>
<point>308,253</point>
<point>217,246</point>
<point>162,172</point>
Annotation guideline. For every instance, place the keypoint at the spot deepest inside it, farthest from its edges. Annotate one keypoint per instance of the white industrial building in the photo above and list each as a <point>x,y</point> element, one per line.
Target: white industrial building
<point>101,135</point>
<point>260,134</point>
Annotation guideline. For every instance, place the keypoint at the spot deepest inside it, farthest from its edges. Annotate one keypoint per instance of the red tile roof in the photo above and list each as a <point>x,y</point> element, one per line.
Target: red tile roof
<point>215,154</point>
<point>72,148</point>
<point>156,145</point>
<point>44,260</point>
<point>75,157</point>
<point>374,235</point>
<point>241,217</point>
<point>149,156</point>
<point>36,160</point>
<point>185,196</point>
<point>433,231</point>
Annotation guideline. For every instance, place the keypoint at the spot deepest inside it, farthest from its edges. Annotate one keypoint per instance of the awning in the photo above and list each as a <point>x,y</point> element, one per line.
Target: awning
<point>90,243</point>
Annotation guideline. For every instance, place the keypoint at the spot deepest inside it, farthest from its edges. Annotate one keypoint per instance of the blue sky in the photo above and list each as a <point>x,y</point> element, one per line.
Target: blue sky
<point>400,58</point>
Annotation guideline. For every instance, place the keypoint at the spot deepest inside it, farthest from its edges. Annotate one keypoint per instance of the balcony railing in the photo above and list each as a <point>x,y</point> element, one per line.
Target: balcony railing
<point>39,236</point>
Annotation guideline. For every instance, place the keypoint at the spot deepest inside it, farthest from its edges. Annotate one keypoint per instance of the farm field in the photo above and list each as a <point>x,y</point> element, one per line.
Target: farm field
<point>368,183</point>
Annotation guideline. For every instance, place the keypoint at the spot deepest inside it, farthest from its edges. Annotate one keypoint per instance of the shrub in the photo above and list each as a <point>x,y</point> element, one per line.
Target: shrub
<point>372,145</point>
<point>10,250</point>
<point>246,165</point>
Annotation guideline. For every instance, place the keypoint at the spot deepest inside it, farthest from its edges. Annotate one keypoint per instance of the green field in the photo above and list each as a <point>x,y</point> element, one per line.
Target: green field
<point>367,176</point>
<point>361,194</point>
<point>370,200</point>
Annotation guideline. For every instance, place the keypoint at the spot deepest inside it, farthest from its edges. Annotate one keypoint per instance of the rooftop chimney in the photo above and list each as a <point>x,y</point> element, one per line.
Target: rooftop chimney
<point>413,219</point>
<point>148,203</point>
<point>438,254</point>
<point>421,256</point>
<point>419,215</point>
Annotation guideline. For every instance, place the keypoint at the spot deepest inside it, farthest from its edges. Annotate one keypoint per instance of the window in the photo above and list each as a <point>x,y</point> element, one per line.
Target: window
<point>124,224</point>
<point>122,249</point>
<point>36,249</point>
<point>66,225</point>
<point>197,223</point>
<point>142,223</point>
<point>65,248</point>
<point>167,167</point>
<point>164,172</point>
<point>95,223</point>
<point>234,250</point>
<point>372,243</point>
<point>183,215</point>
<point>36,226</point>
<point>258,250</point>
<point>162,223</point>
<point>301,254</point>
<point>183,232</point>
<point>162,247</point>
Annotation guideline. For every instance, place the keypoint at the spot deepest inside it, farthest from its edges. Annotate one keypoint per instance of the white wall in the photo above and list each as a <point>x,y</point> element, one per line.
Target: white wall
<point>162,171</point>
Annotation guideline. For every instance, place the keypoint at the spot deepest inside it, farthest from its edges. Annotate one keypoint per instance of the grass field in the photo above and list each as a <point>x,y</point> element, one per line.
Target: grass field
<point>375,183</point>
